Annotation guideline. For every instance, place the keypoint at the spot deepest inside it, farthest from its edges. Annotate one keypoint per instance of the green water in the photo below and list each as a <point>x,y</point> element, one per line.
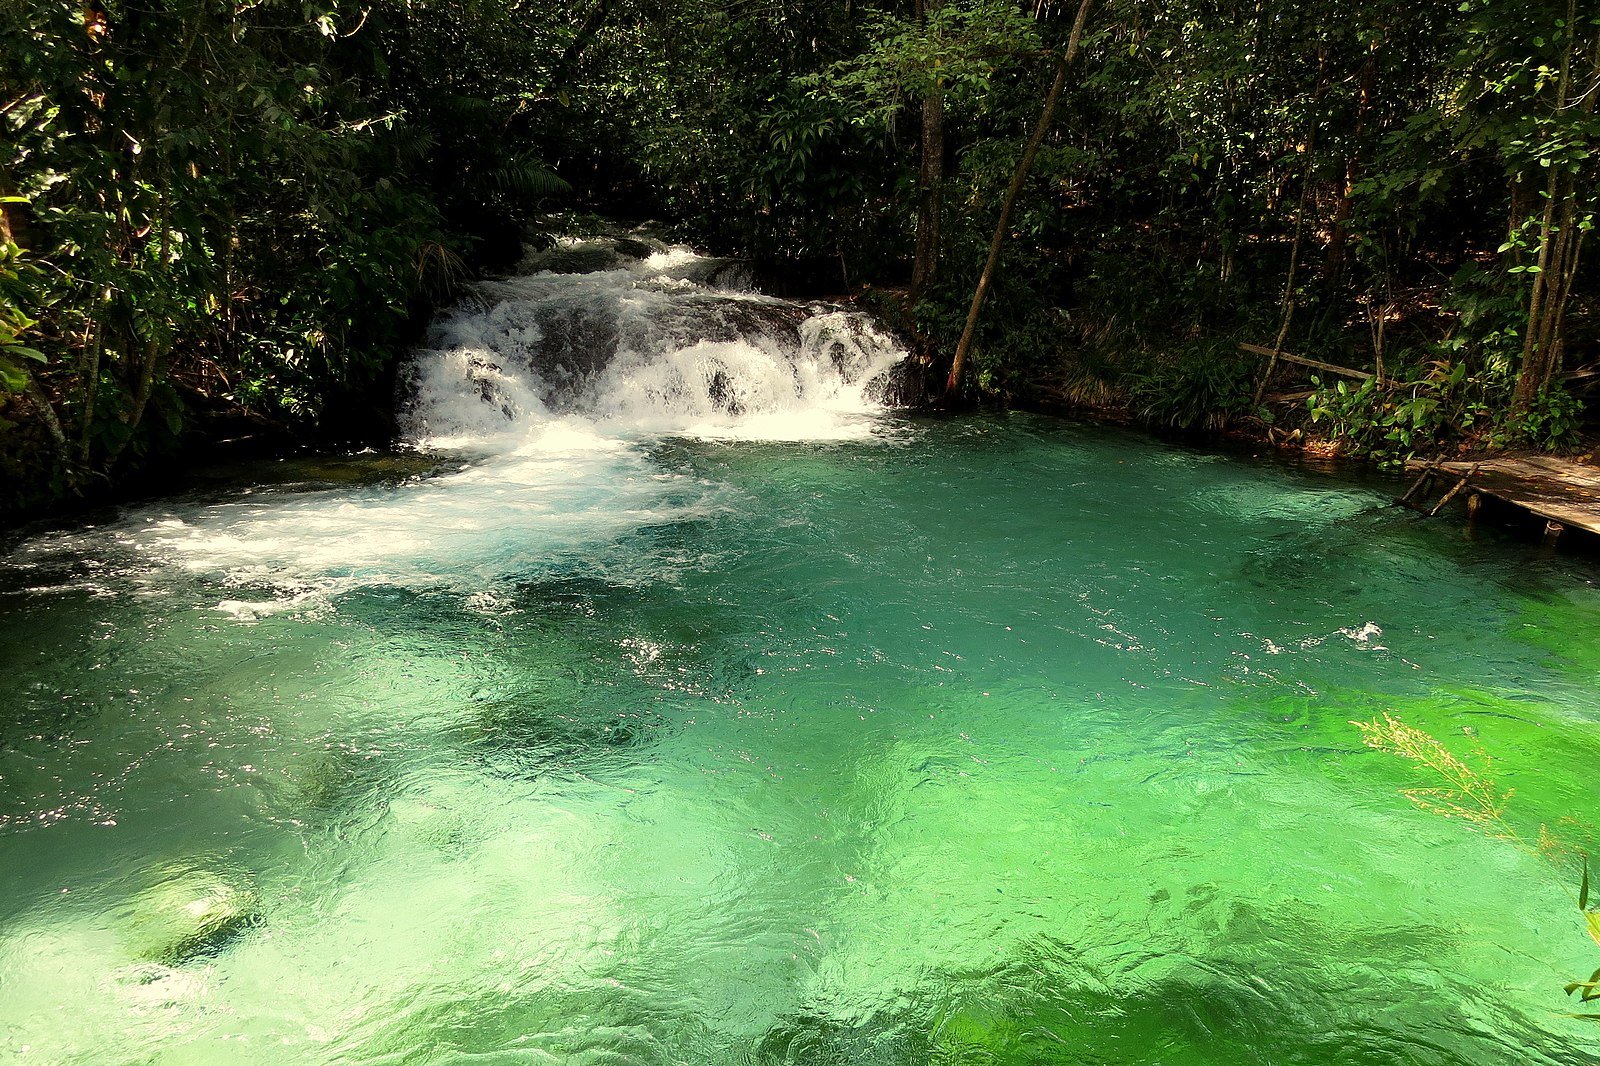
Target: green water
<point>986,741</point>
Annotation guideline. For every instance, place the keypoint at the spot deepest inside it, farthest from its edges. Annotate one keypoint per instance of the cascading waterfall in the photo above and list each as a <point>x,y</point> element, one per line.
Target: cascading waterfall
<point>658,344</point>
<point>551,387</point>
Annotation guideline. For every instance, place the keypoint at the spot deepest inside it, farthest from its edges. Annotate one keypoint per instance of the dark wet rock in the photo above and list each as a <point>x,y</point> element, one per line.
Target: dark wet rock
<point>719,273</point>
<point>568,734</point>
<point>634,248</point>
<point>305,473</point>
<point>329,781</point>
<point>586,258</point>
<point>903,385</point>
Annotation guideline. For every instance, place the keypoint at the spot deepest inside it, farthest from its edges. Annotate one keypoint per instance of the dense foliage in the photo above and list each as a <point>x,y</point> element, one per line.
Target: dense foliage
<point>238,210</point>
<point>233,215</point>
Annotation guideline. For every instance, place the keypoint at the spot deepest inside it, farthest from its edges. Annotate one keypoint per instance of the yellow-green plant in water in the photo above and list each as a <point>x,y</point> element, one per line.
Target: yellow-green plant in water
<point>1468,794</point>
<point>1473,796</point>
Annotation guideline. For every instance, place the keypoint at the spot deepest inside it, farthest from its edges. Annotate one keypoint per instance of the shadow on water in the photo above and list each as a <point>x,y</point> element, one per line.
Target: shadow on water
<point>559,732</point>
<point>1046,1003</point>
<point>1053,1004</point>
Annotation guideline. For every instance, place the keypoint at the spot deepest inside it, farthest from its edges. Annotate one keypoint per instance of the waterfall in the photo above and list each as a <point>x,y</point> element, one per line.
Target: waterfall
<point>546,396</point>
<point>643,342</point>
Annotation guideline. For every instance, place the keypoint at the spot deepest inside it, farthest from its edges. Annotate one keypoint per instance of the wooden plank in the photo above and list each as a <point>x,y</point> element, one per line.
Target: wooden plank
<point>1428,472</point>
<point>1315,364</point>
<point>1555,489</point>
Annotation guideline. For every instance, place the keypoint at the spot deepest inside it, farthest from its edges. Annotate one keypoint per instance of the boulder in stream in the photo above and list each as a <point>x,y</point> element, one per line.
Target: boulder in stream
<point>189,913</point>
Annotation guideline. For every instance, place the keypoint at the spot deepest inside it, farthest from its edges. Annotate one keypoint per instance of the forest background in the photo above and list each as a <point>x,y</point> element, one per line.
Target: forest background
<point>225,218</point>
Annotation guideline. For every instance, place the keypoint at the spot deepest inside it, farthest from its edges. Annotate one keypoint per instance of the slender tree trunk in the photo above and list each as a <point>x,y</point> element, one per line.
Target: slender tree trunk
<point>930,183</point>
<point>47,414</point>
<point>1354,161</point>
<point>1544,340</point>
<point>1560,242</point>
<point>986,279</point>
<point>153,351</point>
<point>1286,317</point>
<point>1516,214</point>
<point>93,342</point>
<point>1302,209</point>
<point>930,179</point>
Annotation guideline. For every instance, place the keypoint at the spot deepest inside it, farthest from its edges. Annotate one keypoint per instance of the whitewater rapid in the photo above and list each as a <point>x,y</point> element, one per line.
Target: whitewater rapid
<point>547,392</point>
<point>659,345</point>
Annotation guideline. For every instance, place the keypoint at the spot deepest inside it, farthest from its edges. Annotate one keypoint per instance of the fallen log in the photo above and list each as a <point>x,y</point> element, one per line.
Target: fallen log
<point>1315,364</point>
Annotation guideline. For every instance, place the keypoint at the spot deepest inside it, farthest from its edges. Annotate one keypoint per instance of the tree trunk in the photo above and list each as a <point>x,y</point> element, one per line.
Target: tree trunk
<point>94,343</point>
<point>1287,307</point>
<point>47,415</point>
<point>154,351</point>
<point>1046,114</point>
<point>1354,161</point>
<point>1560,241</point>
<point>1544,340</point>
<point>930,179</point>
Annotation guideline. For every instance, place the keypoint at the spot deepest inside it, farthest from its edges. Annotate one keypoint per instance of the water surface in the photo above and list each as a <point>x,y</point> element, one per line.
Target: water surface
<point>989,739</point>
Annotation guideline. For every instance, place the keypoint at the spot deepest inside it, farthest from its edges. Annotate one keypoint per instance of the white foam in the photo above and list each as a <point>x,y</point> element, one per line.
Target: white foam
<point>515,515</point>
<point>644,351</point>
<point>553,387</point>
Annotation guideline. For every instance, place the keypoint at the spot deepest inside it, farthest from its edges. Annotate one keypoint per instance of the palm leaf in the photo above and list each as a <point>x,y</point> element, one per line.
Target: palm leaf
<point>525,176</point>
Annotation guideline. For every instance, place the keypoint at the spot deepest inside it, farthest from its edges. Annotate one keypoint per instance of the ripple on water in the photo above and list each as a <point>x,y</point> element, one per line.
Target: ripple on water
<point>1002,742</point>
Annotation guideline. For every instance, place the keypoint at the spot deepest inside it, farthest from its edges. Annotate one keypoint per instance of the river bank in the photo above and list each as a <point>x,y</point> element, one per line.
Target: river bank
<point>222,435</point>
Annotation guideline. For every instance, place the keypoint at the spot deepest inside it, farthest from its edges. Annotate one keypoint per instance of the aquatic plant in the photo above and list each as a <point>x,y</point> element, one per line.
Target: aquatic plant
<point>1472,795</point>
<point>1469,794</point>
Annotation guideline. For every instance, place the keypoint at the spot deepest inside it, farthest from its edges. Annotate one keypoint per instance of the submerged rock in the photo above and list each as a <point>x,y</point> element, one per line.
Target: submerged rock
<point>437,825</point>
<point>189,913</point>
<point>528,737</point>
<point>588,256</point>
<point>810,1037</point>
<point>331,781</point>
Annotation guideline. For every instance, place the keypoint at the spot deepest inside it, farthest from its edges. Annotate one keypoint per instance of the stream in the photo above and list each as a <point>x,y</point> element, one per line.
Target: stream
<point>676,699</point>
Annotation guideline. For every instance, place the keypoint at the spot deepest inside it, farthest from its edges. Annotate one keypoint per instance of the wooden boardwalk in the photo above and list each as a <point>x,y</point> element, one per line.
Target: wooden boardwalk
<point>1563,491</point>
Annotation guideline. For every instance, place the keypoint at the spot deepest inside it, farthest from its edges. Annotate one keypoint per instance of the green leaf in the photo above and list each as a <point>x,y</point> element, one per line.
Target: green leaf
<point>1592,920</point>
<point>1583,890</point>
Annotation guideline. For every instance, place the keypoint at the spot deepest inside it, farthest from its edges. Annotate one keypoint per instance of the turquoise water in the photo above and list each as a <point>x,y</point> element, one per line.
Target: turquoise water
<point>990,740</point>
